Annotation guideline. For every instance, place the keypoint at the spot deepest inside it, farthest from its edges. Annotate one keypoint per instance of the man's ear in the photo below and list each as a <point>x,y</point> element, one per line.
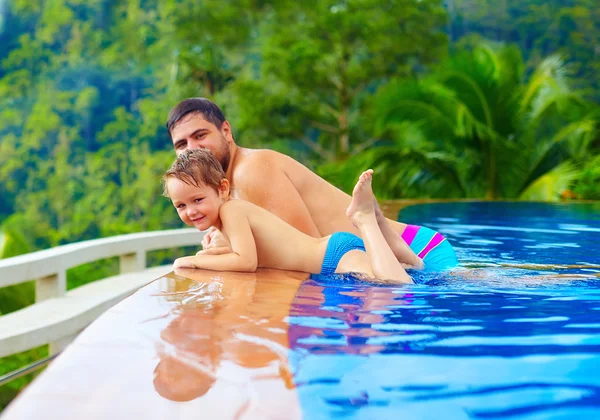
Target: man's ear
<point>224,188</point>
<point>226,131</point>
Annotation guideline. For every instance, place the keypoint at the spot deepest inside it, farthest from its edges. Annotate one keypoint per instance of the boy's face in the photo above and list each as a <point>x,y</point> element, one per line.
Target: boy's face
<point>197,206</point>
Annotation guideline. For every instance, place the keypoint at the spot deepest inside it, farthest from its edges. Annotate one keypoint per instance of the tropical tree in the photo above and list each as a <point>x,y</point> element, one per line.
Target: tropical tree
<point>318,63</point>
<point>476,129</point>
<point>540,28</point>
<point>588,185</point>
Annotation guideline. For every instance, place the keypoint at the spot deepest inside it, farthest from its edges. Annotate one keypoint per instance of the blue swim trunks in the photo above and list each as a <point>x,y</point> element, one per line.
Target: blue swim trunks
<point>432,247</point>
<point>339,244</point>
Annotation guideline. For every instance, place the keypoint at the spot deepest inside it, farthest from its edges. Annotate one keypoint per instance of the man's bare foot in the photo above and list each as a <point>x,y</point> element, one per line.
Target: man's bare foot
<point>362,197</point>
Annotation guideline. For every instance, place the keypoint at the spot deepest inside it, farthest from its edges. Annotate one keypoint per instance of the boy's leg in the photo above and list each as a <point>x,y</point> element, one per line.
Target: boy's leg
<point>401,250</point>
<point>362,213</point>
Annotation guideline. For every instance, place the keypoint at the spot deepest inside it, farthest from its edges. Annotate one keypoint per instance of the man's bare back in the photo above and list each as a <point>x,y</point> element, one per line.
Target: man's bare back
<point>293,192</point>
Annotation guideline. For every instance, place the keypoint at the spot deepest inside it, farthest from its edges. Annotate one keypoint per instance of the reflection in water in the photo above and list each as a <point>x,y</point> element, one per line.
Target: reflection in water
<point>372,319</point>
<point>438,349</point>
<point>224,318</point>
<point>515,339</point>
<point>515,333</point>
<point>188,361</point>
<point>518,336</point>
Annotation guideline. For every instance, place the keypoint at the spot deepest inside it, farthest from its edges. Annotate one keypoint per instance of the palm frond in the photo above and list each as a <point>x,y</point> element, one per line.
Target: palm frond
<point>552,184</point>
<point>497,135</point>
<point>476,90</point>
<point>577,133</point>
<point>413,101</point>
<point>548,81</point>
<point>469,126</point>
<point>511,63</point>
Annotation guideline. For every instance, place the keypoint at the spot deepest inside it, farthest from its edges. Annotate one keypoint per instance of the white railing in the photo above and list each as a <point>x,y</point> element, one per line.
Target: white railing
<point>58,315</point>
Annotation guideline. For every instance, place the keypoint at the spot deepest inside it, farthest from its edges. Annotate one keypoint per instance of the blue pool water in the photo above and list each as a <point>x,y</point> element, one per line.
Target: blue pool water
<point>515,334</point>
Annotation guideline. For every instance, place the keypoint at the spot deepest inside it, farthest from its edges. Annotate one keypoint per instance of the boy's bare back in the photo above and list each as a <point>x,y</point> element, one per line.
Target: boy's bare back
<point>276,243</point>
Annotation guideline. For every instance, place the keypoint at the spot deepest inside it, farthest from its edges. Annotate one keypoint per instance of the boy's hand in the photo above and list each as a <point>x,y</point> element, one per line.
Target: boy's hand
<point>214,239</point>
<point>207,238</point>
<point>184,262</point>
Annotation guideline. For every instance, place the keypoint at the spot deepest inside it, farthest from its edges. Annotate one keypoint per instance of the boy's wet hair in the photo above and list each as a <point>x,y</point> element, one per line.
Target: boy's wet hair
<point>201,106</point>
<point>195,167</point>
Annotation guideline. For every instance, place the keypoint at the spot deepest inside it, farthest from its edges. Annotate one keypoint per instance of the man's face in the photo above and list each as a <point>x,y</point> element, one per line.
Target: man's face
<point>194,132</point>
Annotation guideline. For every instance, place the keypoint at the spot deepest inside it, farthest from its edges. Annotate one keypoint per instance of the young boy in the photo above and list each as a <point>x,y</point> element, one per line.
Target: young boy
<point>198,189</point>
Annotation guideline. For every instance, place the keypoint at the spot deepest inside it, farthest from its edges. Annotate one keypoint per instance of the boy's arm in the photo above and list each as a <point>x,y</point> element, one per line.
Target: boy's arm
<point>243,256</point>
<point>219,250</point>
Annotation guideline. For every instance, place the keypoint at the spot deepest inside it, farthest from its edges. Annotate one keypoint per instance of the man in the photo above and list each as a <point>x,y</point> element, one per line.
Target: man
<point>293,192</point>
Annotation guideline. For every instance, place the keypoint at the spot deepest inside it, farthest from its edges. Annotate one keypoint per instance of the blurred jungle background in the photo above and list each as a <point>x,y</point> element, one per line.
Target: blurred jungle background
<point>482,99</point>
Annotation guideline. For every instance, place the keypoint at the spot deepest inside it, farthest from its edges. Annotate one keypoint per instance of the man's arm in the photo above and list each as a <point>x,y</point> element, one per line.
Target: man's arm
<point>265,184</point>
<point>243,255</point>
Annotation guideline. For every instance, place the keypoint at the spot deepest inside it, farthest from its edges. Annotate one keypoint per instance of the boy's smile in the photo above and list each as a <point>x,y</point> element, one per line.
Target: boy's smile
<point>197,206</point>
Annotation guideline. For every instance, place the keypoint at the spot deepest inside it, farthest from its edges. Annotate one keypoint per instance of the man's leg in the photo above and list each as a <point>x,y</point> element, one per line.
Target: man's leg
<point>401,250</point>
<point>362,213</point>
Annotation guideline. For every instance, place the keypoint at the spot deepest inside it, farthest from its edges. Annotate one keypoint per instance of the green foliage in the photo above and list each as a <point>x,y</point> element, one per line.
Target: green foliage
<point>14,362</point>
<point>312,89</point>
<point>85,87</point>
<point>540,28</point>
<point>588,186</point>
<point>478,128</point>
<point>87,273</point>
<point>552,184</point>
<point>12,242</point>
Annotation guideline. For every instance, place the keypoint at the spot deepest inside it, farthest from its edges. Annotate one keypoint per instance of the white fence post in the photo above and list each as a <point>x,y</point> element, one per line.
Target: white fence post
<point>51,286</point>
<point>131,263</point>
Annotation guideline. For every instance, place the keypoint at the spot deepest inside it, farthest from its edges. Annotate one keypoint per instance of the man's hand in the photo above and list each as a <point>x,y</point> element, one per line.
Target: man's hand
<point>419,265</point>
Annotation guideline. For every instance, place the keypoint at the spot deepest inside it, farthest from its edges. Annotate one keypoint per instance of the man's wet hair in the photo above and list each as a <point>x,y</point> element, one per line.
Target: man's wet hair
<point>201,106</point>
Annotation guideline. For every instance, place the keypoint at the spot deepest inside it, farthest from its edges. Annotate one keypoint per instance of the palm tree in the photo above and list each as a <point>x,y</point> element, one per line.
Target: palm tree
<point>476,129</point>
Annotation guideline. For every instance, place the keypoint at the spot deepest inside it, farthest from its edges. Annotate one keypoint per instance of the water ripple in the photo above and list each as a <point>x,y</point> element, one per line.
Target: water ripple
<point>513,334</point>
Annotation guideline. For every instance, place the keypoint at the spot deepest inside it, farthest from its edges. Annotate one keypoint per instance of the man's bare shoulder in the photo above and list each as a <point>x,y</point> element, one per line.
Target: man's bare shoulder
<point>258,170</point>
<point>258,165</point>
<point>253,159</point>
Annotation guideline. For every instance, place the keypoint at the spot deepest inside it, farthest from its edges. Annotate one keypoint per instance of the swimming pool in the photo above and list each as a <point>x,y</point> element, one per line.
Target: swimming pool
<point>517,336</point>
